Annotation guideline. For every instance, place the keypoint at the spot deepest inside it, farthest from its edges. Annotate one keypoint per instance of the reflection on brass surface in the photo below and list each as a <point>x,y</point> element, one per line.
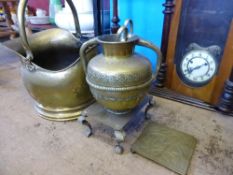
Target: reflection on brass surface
<point>168,147</point>
<point>51,69</point>
<point>119,78</point>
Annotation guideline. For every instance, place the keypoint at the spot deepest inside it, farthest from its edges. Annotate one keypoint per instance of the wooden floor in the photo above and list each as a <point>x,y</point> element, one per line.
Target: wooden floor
<point>30,145</point>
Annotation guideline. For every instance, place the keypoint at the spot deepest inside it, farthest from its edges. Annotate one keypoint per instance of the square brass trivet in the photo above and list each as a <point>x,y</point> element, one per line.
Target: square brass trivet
<point>168,147</point>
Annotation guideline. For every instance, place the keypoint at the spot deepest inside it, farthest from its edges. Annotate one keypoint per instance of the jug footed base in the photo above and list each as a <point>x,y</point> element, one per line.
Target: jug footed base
<point>61,114</point>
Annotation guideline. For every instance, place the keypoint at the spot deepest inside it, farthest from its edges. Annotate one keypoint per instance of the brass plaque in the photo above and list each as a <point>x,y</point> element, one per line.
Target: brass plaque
<point>168,147</point>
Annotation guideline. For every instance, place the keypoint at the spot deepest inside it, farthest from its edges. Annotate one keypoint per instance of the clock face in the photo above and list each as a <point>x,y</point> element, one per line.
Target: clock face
<point>197,68</point>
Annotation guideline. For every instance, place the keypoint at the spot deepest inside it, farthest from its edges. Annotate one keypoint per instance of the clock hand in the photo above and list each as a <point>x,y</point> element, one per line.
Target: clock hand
<point>190,70</point>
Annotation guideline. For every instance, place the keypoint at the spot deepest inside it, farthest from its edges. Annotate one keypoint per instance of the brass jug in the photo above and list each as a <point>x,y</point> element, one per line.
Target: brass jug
<point>52,72</point>
<point>119,78</point>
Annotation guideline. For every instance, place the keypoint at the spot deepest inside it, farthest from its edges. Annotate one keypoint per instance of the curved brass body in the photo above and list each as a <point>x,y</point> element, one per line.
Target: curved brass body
<point>59,95</point>
<point>119,78</point>
<point>44,40</point>
<point>52,72</point>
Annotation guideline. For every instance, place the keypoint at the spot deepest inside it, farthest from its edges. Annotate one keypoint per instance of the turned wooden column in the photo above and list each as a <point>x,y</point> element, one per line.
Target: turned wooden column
<point>225,104</point>
<point>115,18</point>
<point>168,11</point>
<point>225,101</point>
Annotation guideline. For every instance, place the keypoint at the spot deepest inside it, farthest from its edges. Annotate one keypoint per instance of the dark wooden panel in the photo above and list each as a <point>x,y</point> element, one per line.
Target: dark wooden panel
<point>97,17</point>
<point>203,22</point>
<point>101,16</point>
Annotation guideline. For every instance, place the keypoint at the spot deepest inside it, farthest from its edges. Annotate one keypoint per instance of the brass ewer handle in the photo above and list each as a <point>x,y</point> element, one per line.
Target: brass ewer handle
<point>82,54</point>
<point>21,21</point>
<point>124,32</point>
<point>126,23</point>
<point>147,44</point>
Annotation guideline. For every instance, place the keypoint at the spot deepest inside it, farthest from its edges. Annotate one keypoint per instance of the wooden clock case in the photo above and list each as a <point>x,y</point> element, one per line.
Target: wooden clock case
<point>206,23</point>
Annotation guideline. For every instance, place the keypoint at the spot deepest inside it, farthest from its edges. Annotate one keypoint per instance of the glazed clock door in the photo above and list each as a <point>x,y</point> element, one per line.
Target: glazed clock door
<point>197,39</point>
<point>199,65</point>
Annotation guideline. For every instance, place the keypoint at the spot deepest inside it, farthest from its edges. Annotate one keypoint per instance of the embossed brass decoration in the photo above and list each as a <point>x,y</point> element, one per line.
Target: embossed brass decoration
<point>52,72</point>
<point>168,147</point>
<point>119,78</point>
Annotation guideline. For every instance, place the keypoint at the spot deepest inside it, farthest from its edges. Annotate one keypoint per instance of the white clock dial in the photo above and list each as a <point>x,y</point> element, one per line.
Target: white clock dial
<point>198,66</point>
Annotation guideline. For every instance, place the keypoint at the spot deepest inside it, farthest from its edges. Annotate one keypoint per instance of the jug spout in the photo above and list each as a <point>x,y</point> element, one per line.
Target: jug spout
<point>118,50</point>
<point>115,47</point>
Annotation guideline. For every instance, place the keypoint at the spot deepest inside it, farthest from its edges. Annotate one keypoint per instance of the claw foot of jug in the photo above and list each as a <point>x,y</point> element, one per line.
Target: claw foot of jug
<point>151,103</point>
<point>88,128</point>
<point>119,138</point>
